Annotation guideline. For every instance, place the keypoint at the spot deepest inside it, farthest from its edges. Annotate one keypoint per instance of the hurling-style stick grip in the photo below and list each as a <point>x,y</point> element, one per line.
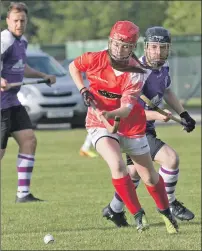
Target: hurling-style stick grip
<point>156,108</point>
<point>43,81</point>
<point>110,128</point>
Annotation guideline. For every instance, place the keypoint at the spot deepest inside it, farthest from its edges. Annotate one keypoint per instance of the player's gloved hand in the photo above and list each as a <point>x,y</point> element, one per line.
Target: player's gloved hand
<point>51,78</point>
<point>188,122</point>
<point>87,96</point>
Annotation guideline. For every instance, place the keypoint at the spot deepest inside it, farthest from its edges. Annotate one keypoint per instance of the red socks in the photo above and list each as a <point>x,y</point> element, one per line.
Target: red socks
<point>126,190</point>
<point>159,194</point>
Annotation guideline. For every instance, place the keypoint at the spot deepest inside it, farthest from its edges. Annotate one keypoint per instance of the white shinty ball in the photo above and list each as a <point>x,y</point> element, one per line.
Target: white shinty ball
<point>48,239</point>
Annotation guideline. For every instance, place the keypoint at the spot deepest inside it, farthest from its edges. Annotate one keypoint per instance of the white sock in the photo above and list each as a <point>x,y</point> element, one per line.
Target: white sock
<point>116,204</point>
<point>170,178</point>
<point>87,143</point>
<point>25,164</point>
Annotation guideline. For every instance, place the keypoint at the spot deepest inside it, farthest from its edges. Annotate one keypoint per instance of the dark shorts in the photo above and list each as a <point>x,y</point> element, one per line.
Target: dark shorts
<point>13,119</point>
<point>155,145</point>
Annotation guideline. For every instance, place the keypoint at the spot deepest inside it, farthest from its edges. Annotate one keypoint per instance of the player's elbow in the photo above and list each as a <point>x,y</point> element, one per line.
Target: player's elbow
<point>72,68</point>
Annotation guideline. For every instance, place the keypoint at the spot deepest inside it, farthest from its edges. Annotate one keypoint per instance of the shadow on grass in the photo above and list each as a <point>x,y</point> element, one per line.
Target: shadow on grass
<point>179,223</point>
<point>131,226</point>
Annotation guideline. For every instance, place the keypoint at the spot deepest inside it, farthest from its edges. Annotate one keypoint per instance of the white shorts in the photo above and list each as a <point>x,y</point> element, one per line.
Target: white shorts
<point>131,146</point>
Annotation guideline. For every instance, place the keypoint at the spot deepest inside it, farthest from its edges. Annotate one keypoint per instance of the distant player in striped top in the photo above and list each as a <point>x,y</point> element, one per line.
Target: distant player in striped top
<point>14,117</point>
<point>116,80</point>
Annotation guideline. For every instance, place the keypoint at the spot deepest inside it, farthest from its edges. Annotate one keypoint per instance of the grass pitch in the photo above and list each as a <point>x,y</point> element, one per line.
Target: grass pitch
<point>76,190</point>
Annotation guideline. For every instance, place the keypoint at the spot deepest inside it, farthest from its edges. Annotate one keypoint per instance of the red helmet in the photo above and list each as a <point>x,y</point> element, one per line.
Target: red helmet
<point>125,31</point>
<point>122,40</point>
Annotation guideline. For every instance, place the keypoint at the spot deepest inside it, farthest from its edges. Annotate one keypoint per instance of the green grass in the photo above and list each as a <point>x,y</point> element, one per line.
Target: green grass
<point>189,104</point>
<point>76,190</point>
<point>194,102</point>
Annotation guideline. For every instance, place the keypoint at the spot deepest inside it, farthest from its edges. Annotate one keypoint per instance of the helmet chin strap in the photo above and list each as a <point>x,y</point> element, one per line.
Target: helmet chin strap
<point>122,60</point>
<point>157,65</point>
<point>154,64</point>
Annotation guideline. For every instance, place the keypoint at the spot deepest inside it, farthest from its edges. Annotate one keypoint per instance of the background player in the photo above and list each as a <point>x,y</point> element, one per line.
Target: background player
<point>14,118</point>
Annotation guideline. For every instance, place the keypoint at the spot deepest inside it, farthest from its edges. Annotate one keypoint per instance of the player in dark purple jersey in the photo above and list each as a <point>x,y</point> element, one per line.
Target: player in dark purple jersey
<point>14,118</point>
<point>157,86</point>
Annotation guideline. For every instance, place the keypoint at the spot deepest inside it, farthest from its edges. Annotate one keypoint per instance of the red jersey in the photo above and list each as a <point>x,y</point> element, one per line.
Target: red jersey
<point>113,89</point>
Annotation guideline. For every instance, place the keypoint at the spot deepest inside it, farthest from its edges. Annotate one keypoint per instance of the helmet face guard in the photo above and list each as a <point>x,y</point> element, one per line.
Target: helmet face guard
<point>122,40</point>
<point>157,46</point>
<point>119,50</point>
<point>156,53</point>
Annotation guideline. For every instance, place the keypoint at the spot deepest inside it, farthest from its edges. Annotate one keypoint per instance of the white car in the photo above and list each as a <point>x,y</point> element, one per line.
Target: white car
<point>60,103</point>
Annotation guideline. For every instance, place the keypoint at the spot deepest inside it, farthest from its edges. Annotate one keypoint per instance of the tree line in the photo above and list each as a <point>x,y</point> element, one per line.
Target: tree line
<point>56,22</point>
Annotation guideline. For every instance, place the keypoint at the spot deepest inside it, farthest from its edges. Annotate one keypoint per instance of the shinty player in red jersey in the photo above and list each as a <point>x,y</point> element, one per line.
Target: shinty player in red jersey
<point>116,79</point>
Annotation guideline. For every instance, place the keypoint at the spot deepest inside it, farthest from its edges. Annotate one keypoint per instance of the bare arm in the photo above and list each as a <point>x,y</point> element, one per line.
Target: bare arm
<point>173,101</point>
<point>76,76</point>
<point>153,115</point>
<point>32,73</point>
<point>121,112</point>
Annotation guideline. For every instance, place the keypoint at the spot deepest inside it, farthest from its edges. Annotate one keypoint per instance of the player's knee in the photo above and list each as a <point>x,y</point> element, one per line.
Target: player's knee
<point>176,161</point>
<point>118,167</point>
<point>30,142</point>
<point>169,158</point>
<point>173,161</point>
<point>33,142</point>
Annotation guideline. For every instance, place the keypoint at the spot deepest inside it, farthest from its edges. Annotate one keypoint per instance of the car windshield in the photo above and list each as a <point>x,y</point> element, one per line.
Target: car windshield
<point>66,63</point>
<point>47,65</point>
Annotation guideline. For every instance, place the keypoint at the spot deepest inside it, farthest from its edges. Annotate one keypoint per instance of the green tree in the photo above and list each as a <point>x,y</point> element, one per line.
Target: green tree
<point>54,22</point>
<point>37,10</point>
<point>85,20</point>
<point>147,13</point>
<point>183,17</point>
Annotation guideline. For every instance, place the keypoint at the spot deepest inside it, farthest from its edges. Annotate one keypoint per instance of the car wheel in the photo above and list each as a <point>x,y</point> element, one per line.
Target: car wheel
<point>80,125</point>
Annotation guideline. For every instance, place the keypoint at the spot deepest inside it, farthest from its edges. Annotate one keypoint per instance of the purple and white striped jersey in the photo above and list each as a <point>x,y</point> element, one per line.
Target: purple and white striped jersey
<point>13,59</point>
<point>155,84</point>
